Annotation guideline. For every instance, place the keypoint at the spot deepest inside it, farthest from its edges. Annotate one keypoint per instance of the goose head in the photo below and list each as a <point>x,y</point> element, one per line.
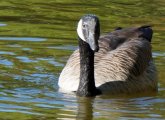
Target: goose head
<point>88,30</point>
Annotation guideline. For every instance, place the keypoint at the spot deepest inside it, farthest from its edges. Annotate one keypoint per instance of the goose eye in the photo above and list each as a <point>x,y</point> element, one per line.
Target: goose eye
<point>84,25</point>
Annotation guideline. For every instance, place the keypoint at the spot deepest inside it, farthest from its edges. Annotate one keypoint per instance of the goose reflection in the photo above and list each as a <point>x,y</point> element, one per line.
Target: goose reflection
<point>85,108</point>
<point>114,107</point>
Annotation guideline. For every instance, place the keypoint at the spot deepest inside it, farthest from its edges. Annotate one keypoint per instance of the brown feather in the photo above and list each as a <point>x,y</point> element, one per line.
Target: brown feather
<point>123,64</point>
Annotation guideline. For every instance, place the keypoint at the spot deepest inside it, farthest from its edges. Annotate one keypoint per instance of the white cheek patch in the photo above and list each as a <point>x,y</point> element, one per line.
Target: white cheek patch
<point>79,30</point>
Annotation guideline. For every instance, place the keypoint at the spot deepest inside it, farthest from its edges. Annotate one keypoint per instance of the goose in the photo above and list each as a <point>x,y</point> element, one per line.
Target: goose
<point>119,62</point>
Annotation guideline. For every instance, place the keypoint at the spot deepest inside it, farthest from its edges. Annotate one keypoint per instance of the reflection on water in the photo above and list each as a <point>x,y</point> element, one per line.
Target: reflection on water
<point>6,62</point>
<point>23,39</point>
<point>66,47</point>
<point>158,54</point>
<point>25,59</point>
<point>36,39</point>
<point>6,53</point>
<point>1,24</point>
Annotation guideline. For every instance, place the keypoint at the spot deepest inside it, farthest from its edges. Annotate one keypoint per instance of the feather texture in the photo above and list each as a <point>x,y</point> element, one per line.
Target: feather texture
<point>123,64</point>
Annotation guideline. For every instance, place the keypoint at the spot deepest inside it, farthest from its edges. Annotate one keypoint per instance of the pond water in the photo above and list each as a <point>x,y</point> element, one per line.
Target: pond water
<point>36,39</point>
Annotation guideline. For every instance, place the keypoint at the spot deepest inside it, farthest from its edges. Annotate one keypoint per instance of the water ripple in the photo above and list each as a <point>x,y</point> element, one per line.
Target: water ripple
<point>6,53</point>
<point>66,47</point>
<point>6,63</point>
<point>30,39</point>
<point>25,59</point>
<point>2,24</point>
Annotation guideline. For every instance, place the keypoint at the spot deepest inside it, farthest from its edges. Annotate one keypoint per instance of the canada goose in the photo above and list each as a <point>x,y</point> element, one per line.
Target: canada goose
<point>118,62</point>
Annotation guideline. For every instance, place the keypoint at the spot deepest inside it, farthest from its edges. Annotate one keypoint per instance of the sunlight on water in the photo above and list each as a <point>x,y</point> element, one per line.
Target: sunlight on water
<point>6,62</point>
<point>14,45</point>
<point>51,61</point>
<point>2,24</point>
<point>23,39</point>
<point>67,47</point>
<point>158,54</point>
<point>27,49</point>
<point>7,53</point>
<point>25,59</point>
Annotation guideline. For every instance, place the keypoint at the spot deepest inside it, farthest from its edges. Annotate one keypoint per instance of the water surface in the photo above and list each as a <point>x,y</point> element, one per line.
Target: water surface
<point>36,39</point>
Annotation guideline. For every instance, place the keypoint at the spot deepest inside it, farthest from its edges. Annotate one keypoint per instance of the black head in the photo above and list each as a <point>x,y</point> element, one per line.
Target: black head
<point>88,30</point>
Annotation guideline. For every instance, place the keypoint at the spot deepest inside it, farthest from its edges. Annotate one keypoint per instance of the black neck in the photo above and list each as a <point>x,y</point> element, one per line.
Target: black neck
<point>87,82</point>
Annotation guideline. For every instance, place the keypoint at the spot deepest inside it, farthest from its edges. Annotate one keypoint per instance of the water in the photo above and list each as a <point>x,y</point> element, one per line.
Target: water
<point>36,39</point>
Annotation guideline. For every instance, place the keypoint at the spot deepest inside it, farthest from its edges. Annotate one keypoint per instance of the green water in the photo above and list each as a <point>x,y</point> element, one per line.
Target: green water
<point>36,39</point>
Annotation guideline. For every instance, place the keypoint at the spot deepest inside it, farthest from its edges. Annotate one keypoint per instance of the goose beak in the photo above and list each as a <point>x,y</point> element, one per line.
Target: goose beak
<point>93,43</point>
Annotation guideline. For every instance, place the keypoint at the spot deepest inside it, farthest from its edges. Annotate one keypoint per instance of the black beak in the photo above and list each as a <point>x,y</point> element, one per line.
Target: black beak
<point>93,43</point>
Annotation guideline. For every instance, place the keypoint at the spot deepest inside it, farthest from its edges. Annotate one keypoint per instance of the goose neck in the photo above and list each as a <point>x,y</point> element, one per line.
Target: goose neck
<point>87,83</point>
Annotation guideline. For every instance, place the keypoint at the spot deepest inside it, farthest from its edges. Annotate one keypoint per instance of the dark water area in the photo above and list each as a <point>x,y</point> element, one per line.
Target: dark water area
<point>36,39</point>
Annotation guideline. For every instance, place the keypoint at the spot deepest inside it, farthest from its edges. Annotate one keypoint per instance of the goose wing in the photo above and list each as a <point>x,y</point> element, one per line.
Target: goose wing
<point>128,65</point>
